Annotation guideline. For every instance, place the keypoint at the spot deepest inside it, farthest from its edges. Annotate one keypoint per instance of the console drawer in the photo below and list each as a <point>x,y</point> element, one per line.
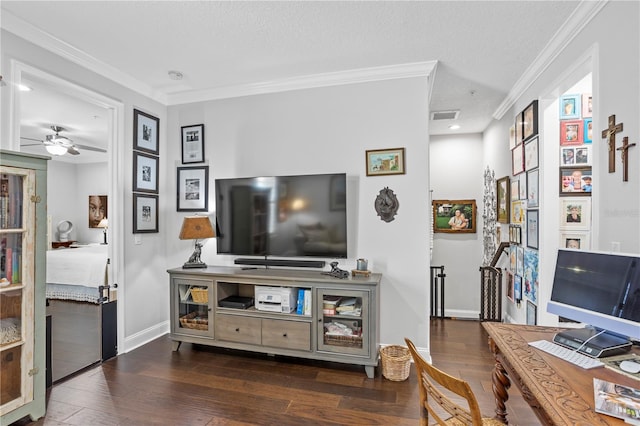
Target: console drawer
<point>237,329</point>
<point>286,334</point>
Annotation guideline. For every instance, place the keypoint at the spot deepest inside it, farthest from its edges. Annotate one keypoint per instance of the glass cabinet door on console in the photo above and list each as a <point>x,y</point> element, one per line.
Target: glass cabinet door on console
<point>192,307</point>
<point>343,325</point>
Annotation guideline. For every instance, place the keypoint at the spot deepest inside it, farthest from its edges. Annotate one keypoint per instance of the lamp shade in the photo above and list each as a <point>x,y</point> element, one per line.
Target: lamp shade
<point>104,223</point>
<point>196,228</point>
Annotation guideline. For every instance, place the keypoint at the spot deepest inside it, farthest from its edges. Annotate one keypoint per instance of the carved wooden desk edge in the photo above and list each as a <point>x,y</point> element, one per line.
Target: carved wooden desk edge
<point>544,384</point>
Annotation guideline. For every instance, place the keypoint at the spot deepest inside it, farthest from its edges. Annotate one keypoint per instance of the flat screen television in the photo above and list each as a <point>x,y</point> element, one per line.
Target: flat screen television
<point>598,289</point>
<point>283,216</point>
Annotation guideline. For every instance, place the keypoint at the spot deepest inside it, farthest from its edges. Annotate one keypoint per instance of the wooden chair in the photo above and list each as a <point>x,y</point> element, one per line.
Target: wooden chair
<point>433,401</point>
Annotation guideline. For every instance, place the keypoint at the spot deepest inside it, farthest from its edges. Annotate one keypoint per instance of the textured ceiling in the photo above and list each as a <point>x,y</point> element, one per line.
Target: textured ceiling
<point>482,48</point>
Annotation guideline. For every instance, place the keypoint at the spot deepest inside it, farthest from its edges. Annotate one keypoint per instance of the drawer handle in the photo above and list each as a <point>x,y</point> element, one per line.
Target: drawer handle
<point>284,335</point>
<point>237,330</point>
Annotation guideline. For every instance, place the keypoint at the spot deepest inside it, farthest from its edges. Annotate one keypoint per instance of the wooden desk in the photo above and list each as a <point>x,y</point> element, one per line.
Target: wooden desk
<point>560,393</point>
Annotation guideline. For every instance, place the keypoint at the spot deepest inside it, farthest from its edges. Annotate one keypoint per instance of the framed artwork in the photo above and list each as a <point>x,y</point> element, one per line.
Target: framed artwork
<point>568,156</point>
<point>97,210</point>
<point>517,287</point>
<point>145,173</point>
<point>145,132</point>
<point>530,120</point>
<point>192,144</point>
<point>145,213</point>
<point>503,199</point>
<point>522,187</point>
<point>337,194</point>
<point>530,276</point>
<point>517,160</point>
<point>532,313</point>
<point>575,181</point>
<point>571,132</point>
<point>515,234</point>
<point>588,130</point>
<point>587,105</point>
<point>513,257</point>
<point>575,213</point>
<point>517,212</point>
<point>583,155</point>
<point>515,189</point>
<point>193,189</point>
<point>533,196</point>
<point>518,126</point>
<point>531,154</point>
<point>570,106</point>
<point>532,229</point>
<point>577,240</point>
<point>510,290</point>
<point>512,137</point>
<point>385,162</point>
<point>454,216</point>
<point>520,261</point>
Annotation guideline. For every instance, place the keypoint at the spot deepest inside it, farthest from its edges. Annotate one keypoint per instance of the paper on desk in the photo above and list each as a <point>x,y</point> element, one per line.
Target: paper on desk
<point>616,400</point>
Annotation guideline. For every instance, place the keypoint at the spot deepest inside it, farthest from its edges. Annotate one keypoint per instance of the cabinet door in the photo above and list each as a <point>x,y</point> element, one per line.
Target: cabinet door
<point>192,307</point>
<point>17,227</point>
<point>343,321</point>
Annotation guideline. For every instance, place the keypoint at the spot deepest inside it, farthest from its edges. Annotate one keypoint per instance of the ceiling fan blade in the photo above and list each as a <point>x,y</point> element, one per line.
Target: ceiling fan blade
<point>72,150</point>
<point>31,144</point>
<point>90,148</point>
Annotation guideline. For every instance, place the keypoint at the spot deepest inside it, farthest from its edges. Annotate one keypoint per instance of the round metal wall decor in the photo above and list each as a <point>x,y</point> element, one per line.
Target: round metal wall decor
<point>386,204</point>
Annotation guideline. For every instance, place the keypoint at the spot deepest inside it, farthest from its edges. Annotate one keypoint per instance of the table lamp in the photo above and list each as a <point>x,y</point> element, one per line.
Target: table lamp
<point>104,224</point>
<point>196,228</point>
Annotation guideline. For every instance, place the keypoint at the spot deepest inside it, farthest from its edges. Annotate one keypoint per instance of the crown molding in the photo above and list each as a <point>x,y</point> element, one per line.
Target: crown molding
<point>363,75</point>
<point>580,17</point>
<point>65,50</point>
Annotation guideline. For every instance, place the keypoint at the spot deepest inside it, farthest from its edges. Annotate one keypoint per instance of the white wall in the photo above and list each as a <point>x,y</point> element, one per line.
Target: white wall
<point>328,130</point>
<point>456,172</point>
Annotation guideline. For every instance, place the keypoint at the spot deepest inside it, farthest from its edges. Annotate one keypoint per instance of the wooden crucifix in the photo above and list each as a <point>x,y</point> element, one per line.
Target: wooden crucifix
<point>610,134</point>
<point>625,157</point>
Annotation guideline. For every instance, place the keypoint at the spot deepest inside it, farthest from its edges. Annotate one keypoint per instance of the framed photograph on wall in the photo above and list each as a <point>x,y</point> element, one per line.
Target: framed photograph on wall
<point>570,106</point>
<point>517,287</point>
<point>512,137</point>
<point>532,229</point>
<point>532,313</point>
<point>515,234</point>
<point>575,213</point>
<point>145,132</point>
<point>587,105</point>
<point>454,216</point>
<point>517,212</point>
<point>568,156</point>
<point>587,133</point>
<point>520,260</point>
<point>193,189</point>
<point>98,210</point>
<point>577,240</point>
<point>518,126</point>
<point>510,289</point>
<point>530,120</point>
<point>513,257</point>
<point>532,188</point>
<point>503,192</point>
<point>571,132</point>
<point>523,186</point>
<point>515,189</point>
<point>575,181</point>
<point>385,162</point>
<point>517,160</point>
<point>192,143</point>
<point>583,155</point>
<point>531,154</point>
<point>145,213</point>
<point>145,173</point>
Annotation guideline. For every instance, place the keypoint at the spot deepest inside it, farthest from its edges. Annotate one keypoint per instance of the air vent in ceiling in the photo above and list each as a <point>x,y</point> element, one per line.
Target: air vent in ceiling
<point>445,115</point>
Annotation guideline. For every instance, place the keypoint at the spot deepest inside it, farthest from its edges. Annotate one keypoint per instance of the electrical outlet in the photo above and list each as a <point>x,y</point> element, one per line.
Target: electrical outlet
<point>137,239</point>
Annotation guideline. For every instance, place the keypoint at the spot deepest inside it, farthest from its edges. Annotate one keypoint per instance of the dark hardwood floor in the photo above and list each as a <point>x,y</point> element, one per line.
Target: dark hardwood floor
<point>206,386</point>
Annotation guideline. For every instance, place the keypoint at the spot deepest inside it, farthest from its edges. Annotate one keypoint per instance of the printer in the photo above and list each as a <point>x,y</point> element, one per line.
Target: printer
<point>275,299</point>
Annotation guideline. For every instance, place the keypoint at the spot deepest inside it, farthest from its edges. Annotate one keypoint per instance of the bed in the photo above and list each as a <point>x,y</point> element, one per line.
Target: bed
<point>77,292</point>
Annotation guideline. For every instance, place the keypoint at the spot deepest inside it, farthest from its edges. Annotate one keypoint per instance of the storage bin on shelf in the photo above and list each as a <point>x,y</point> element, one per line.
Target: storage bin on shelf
<point>195,321</point>
<point>396,362</point>
<point>200,295</point>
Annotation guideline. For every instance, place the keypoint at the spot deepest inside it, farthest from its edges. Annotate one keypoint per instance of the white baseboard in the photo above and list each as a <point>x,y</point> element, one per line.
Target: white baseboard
<point>145,336</point>
<point>462,314</point>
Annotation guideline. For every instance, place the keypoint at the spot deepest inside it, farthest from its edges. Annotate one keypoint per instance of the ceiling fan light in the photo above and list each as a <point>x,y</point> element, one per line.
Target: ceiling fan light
<point>56,149</point>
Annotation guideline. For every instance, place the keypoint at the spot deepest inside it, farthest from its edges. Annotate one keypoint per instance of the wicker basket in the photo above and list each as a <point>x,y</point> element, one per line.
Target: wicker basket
<point>200,295</point>
<point>195,321</point>
<point>396,362</point>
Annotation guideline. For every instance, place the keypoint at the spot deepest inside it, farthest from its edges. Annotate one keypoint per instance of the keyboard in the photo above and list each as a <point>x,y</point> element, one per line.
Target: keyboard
<point>569,355</point>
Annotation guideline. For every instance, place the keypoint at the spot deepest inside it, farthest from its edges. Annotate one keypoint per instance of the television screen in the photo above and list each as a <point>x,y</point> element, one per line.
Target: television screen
<point>285,216</point>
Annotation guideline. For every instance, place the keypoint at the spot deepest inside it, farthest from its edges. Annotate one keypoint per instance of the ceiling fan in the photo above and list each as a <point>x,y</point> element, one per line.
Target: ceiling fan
<point>59,145</point>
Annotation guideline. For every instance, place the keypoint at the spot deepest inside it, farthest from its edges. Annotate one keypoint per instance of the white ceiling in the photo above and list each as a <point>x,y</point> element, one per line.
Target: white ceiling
<point>482,48</point>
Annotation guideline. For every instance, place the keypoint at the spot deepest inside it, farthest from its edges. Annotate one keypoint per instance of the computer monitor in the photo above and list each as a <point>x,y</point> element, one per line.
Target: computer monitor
<point>601,290</point>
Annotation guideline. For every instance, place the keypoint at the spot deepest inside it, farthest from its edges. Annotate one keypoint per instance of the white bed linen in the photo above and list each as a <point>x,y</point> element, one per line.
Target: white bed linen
<point>82,266</point>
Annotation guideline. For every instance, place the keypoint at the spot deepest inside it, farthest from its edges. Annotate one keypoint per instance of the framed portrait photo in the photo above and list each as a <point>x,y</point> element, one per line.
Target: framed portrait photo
<point>98,210</point>
<point>530,120</point>
<point>568,156</point>
<point>582,155</point>
<point>575,181</point>
<point>145,132</point>
<point>503,195</point>
<point>571,132</point>
<point>570,106</point>
<point>517,160</point>
<point>454,216</point>
<point>192,144</point>
<point>587,105</point>
<point>577,240</point>
<point>531,154</point>
<point>575,213</point>
<point>587,133</point>
<point>145,213</point>
<point>532,229</point>
<point>193,189</point>
<point>145,173</point>
<point>385,162</point>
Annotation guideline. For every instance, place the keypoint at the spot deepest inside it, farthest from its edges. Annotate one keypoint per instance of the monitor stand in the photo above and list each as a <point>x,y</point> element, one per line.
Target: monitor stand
<point>600,346</point>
